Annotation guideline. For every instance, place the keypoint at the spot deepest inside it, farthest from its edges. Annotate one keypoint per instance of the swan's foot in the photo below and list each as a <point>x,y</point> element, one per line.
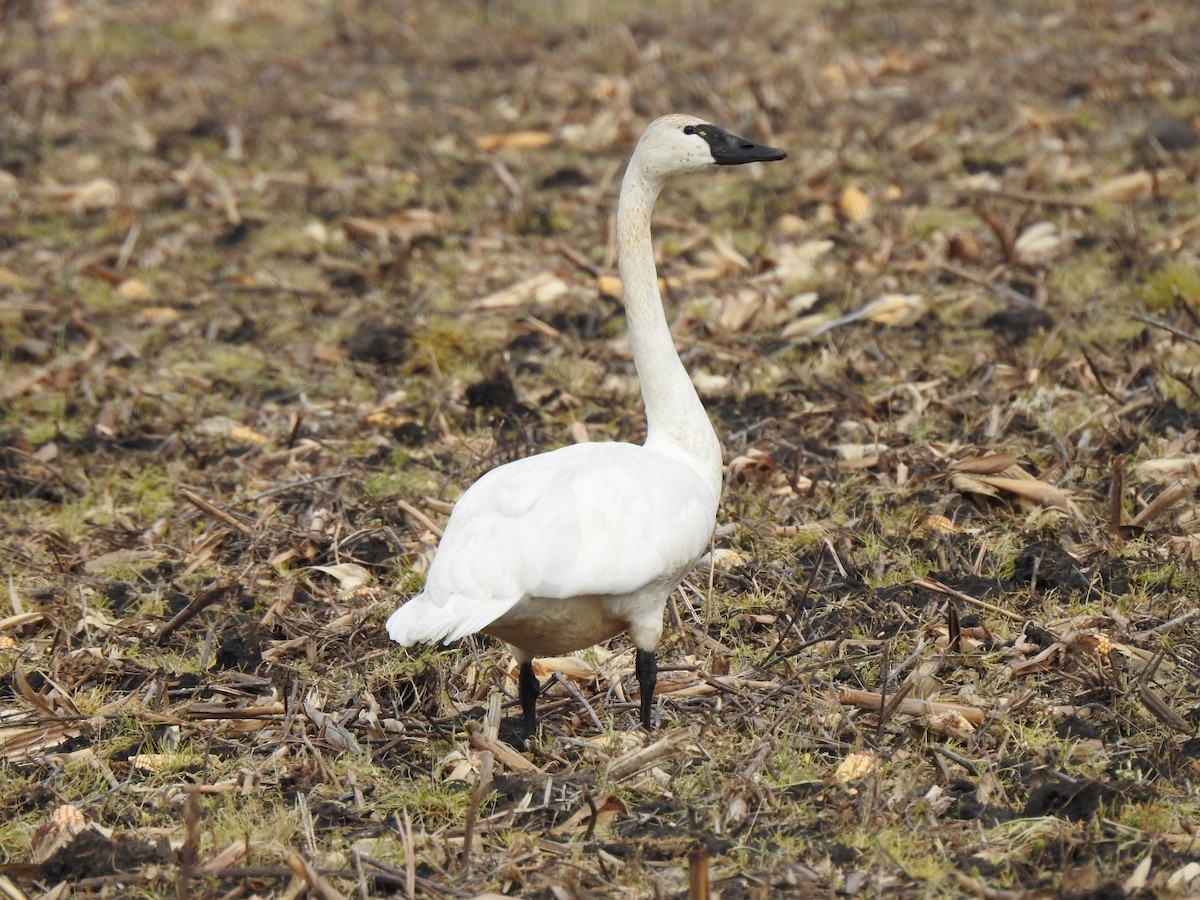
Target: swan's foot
<point>513,732</point>
<point>646,670</point>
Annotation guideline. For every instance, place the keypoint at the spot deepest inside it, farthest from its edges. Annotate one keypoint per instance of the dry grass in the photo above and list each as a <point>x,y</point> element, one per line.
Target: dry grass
<point>277,281</point>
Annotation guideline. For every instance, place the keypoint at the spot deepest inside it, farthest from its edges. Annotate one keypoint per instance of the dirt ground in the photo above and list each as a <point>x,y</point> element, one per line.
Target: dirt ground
<point>279,280</point>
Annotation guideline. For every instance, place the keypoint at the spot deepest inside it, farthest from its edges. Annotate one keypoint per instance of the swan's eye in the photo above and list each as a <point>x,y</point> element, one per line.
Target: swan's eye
<point>689,129</point>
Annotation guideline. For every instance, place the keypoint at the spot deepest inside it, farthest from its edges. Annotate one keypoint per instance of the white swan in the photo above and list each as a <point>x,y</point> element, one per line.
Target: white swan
<point>558,551</point>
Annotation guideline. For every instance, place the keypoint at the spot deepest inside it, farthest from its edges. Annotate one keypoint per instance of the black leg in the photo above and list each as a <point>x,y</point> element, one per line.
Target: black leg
<point>529,690</point>
<point>646,669</point>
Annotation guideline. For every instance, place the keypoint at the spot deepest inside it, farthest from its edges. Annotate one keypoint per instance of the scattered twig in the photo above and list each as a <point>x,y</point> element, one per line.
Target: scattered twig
<point>1154,323</point>
<point>1166,499</point>
<point>1186,308</point>
<point>236,852</point>
<point>1002,291</point>
<point>1091,364</point>
<point>1004,238</point>
<point>506,755</point>
<point>1161,710</point>
<point>404,827</point>
<point>1021,196</point>
<point>1169,624</point>
<point>943,750</point>
<point>234,287</point>
<point>1038,663</point>
<point>647,757</point>
<point>191,846</point>
<point>12,623</point>
<point>893,702</point>
<point>200,602</point>
<point>315,881</point>
<point>873,702</point>
<point>292,486</point>
<point>577,258</point>
<point>794,613</point>
<point>593,815</point>
<point>356,859</point>
<point>420,517</point>
<point>1116,497</point>
<point>215,512</point>
<point>483,782</point>
<point>698,872</point>
<point>578,696</point>
<point>930,585</point>
<point>9,891</point>
<point>1190,225</point>
<point>977,888</point>
<point>506,177</point>
<point>1187,385</point>
<point>271,711</point>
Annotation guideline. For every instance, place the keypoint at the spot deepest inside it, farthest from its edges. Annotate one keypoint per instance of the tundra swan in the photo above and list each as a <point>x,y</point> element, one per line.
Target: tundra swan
<point>556,552</point>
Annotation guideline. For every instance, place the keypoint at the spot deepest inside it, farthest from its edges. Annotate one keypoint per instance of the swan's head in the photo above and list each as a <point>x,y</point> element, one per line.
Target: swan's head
<point>677,145</point>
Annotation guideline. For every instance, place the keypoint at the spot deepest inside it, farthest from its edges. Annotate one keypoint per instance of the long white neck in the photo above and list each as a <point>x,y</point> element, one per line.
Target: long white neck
<point>676,420</point>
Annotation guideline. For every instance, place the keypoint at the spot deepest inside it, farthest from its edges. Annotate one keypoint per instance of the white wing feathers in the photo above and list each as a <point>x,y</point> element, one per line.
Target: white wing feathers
<point>588,519</point>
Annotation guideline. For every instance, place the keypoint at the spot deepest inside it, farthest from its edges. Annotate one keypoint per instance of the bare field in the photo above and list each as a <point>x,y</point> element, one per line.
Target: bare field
<point>278,281</point>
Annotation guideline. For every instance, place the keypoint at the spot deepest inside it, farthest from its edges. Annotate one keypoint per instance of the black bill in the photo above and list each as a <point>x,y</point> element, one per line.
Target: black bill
<point>731,150</point>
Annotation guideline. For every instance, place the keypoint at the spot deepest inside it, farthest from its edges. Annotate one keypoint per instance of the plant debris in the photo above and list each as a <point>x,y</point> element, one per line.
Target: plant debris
<point>278,281</point>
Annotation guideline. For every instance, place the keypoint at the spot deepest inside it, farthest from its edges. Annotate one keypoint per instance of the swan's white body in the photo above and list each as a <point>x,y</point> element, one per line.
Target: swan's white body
<point>556,552</point>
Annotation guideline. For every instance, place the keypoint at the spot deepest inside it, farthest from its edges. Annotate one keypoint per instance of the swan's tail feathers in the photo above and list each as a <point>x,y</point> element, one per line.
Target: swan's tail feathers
<point>422,620</point>
<point>418,622</point>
